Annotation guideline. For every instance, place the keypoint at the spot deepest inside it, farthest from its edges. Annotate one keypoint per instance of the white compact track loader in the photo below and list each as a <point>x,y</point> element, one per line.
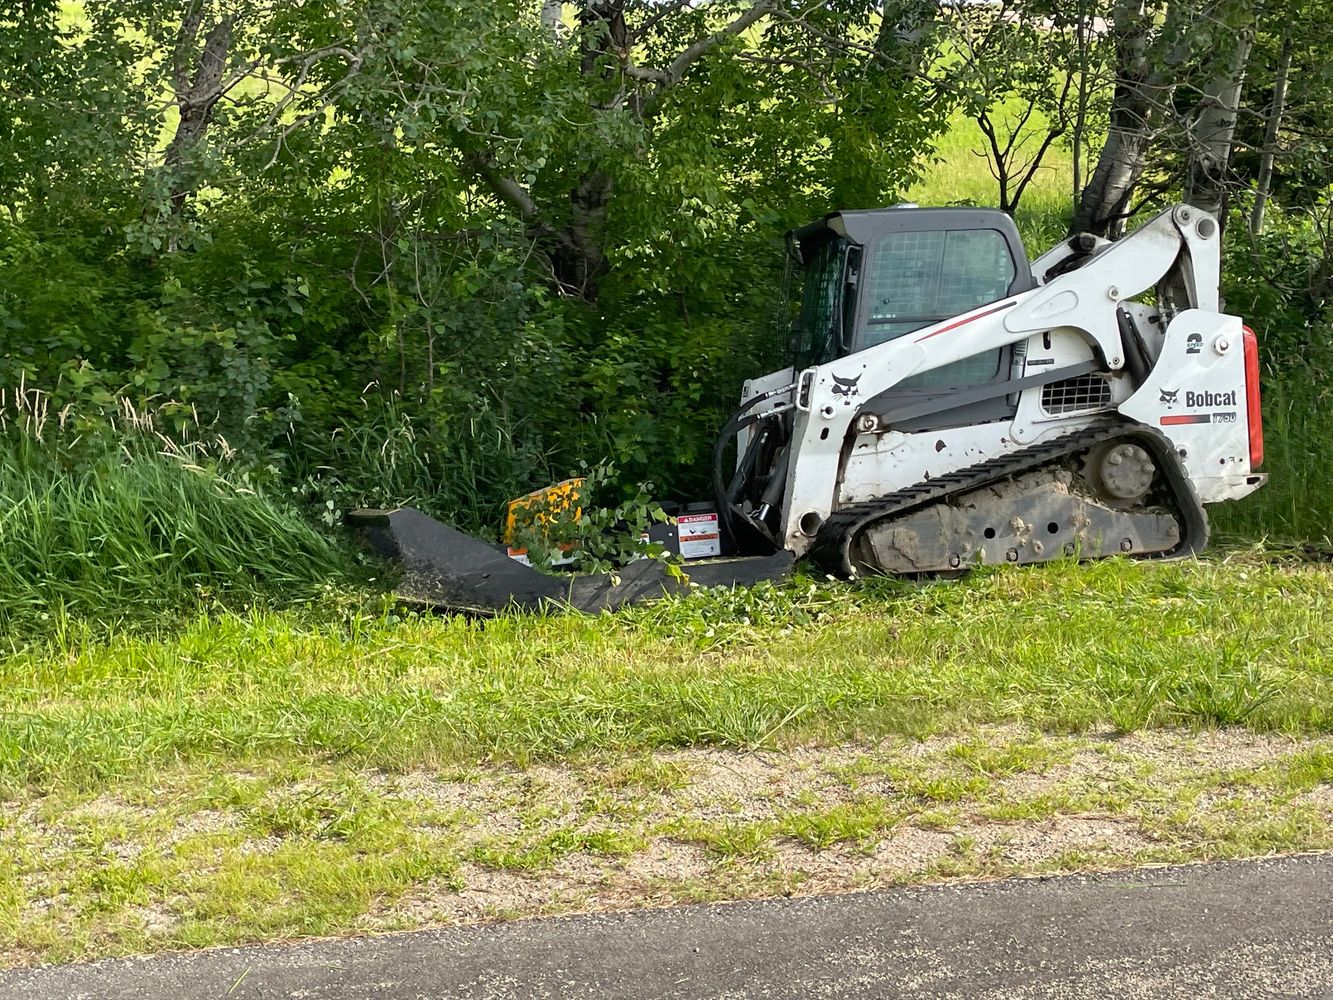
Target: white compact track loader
<point>949,404</point>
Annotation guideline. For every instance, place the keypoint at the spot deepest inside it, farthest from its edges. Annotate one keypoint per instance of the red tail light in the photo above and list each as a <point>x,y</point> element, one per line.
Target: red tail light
<point>1252,399</point>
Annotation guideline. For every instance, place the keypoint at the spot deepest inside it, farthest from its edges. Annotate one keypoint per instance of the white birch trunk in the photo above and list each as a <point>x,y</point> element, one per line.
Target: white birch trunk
<point>1148,67</point>
<point>1215,130</point>
<point>551,18</point>
<point>1124,153</point>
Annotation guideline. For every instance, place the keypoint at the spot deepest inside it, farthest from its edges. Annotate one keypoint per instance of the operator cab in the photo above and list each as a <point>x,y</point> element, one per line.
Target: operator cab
<point>874,276</point>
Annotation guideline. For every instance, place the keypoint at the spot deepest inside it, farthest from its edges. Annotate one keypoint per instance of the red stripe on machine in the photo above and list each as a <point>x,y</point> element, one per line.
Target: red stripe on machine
<point>1253,414</point>
<point>970,319</point>
<point>1186,418</point>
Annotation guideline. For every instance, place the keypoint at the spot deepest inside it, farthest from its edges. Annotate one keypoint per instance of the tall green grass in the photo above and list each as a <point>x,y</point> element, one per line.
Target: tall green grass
<point>1297,501</point>
<point>107,519</point>
<point>460,470</point>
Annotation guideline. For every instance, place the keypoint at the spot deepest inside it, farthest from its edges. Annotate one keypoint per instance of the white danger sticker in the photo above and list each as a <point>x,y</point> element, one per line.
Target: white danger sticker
<point>698,536</point>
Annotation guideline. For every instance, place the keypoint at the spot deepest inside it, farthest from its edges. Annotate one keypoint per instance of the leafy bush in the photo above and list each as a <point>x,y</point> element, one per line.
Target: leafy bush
<point>598,524</point>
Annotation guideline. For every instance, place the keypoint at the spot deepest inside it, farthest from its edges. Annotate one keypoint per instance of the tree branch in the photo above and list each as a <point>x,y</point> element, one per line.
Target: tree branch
<point>665,79</point>
<point>504,187</point>
<point>665,11</point>
<point>691,55</point>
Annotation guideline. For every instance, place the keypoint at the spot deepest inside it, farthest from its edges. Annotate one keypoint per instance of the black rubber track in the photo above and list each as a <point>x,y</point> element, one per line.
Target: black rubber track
<point>833,546</point>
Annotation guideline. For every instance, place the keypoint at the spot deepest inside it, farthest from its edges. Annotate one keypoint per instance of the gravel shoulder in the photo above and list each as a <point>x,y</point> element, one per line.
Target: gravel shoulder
<point>314,851</point>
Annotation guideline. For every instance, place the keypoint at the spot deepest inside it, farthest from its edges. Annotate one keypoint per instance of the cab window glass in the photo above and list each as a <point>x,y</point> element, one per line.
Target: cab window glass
<point>819,295</point>
<point>916,279</point>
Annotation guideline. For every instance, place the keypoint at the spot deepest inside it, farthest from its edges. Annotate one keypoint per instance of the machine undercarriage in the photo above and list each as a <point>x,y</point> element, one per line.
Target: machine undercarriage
<point>1098,492</point>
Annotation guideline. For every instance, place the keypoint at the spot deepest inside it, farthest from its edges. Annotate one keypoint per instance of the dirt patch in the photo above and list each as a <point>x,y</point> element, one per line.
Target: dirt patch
<point>206,822</point>
<point>834,869</point>
<point>258,846</point>
<point>666,861</point>
<point>1037,845</point>
<point>753,786</point>
<point>477,894</point>
<point>1320,797</point>
<point>1161,757</point>
<point>106,807</point>
<point>1214,750</point>
<point>156,920</point>
<point>653,876</point>
<point>494,795</point>
<point>911,849</point>
<point>1082,767</point>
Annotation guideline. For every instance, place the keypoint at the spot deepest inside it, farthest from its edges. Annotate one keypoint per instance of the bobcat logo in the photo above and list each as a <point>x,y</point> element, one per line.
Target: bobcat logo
<point>846,386</point>
<point>1169,395</point>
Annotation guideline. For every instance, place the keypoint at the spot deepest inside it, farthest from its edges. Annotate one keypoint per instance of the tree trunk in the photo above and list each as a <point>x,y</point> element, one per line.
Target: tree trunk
<point>1215,129</point>
<point>551,17</point>
<point>197,81</point>
<point>578,255</point>
<point>1101,209</point>
<point>1147,69</point>
<point>905,31</point>
<point>604,34</point>
<point>577,249</point>
<point>1083,28</point>
<point>1265,182</point>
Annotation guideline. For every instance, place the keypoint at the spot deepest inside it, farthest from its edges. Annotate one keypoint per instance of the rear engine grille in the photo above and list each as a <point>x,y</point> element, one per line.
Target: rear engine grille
<point>1076,395</point>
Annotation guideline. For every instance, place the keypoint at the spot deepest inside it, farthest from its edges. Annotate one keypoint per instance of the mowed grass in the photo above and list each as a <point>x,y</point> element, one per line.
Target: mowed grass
<point>1228,642</point>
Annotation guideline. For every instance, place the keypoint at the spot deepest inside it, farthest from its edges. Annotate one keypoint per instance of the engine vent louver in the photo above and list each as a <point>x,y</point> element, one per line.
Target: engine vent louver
<point>1076,395</point>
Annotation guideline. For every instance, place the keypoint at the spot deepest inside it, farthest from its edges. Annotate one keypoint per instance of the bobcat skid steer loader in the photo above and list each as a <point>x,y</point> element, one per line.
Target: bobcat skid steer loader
<point>949,403</point>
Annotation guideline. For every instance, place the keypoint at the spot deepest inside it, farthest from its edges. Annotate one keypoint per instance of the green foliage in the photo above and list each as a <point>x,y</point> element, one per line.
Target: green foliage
<point>597,526</point>
<point>337,254</point>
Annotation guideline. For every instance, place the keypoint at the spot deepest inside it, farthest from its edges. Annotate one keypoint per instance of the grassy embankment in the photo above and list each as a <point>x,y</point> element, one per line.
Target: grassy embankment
<point>273,757</point>
<point>279,774</point>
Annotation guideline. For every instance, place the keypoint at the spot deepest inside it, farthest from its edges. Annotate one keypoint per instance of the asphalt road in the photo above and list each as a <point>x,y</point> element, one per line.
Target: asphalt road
<point>1242,930</point>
